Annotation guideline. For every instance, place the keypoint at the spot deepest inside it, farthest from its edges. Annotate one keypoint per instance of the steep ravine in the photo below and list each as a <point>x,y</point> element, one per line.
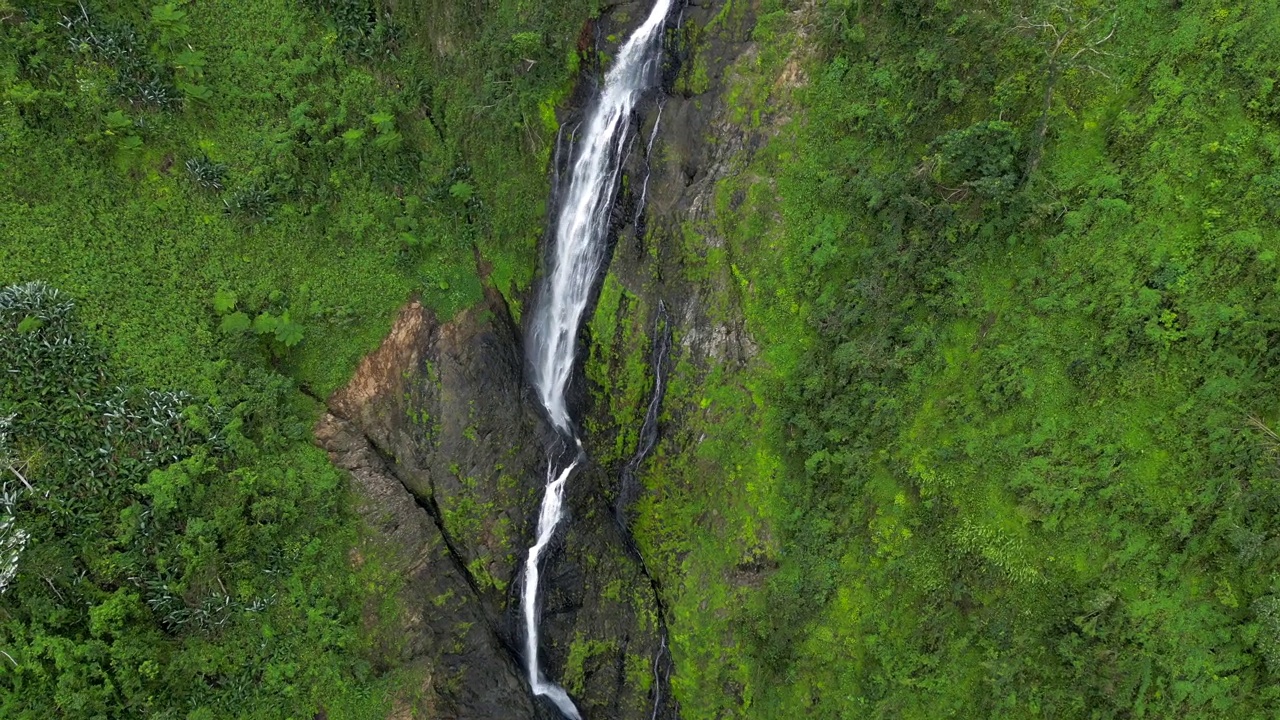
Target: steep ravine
<point>447,449</point>
<point>441,437</point>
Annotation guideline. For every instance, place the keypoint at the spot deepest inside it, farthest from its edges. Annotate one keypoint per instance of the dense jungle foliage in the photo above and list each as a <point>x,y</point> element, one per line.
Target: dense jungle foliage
<point>208,212</point>
<point>174,557</point>
<point>1012,266</point>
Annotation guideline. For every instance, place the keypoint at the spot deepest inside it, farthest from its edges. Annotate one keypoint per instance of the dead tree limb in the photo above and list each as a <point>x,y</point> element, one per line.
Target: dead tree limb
<point>1071,41</point>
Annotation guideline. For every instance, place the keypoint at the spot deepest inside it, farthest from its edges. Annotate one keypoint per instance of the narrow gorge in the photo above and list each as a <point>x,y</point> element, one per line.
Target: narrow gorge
<point>468,416</point>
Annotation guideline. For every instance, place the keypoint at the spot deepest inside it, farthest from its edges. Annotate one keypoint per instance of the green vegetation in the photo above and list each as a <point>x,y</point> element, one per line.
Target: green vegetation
<point>346,155</point>
<point>174,557</point>
<point>236,196</point>
<point>580,652</point>
<point>618,368</point>
<point>1007,446</point>
<point>1012,271</point>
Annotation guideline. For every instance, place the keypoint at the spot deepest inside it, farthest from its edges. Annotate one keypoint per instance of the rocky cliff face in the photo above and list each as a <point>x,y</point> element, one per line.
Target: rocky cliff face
<point>448,451</point>
<point>423,430</point>
<point>449,457</point>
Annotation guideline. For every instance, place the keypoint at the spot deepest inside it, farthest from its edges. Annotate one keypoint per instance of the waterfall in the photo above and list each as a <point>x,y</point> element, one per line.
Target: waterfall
<point>581,232</point>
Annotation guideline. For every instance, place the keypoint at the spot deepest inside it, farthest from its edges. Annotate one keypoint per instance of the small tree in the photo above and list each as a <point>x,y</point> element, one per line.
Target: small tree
<point>1072,37</point>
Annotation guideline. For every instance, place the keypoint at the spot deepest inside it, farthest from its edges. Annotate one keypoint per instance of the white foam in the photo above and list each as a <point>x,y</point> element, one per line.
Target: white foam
<point>581,232</point>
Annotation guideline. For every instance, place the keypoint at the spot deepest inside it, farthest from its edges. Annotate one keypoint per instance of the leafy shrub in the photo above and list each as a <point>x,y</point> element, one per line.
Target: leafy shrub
<point>140,80</point>
<point>253,201</point>
<point>1267,612</point>
<point>361,28</point>
<point>388,139</point>
<point>984,157</point>
<point>206,173</point>
<point>458,191</point>
<point>165,532</point>
<point>273,321</point>
<point>171,23</point>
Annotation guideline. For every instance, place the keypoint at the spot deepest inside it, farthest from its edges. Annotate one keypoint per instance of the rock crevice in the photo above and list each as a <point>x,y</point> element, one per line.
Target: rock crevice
<point>448,456</point>
<point>442,628</point>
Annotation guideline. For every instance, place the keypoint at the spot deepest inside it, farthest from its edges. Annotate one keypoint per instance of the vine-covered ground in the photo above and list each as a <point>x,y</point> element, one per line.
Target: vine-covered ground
<point>223,203</point>
<point>1012,270</point>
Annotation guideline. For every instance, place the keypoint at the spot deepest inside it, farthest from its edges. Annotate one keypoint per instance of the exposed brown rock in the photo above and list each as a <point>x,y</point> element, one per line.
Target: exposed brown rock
<point>448,458</point>
<point>378,373</point>
<point>442,630</point>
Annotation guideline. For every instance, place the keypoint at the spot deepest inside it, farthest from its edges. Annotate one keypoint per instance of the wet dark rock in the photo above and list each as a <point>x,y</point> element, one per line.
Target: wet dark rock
<point>445,401</point>
<point>448,449</point>
<point>599,609</point>
<point>448,456</point>
<point>442,629</point>
<point>697,144</point>
<point>689,141</point>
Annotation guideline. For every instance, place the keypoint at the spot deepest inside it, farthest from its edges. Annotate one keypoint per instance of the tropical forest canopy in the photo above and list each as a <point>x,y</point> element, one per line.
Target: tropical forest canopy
<point>208,212</point>
<point>1008,446</point>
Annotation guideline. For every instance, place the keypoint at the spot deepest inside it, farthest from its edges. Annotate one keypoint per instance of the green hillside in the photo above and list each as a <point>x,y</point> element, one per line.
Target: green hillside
<point>1012,267</point>
<point>1007,444</point>
<point>235,197</point>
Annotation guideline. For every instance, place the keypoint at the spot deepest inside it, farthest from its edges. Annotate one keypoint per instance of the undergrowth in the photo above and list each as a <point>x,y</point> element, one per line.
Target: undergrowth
<point>1012,271</point>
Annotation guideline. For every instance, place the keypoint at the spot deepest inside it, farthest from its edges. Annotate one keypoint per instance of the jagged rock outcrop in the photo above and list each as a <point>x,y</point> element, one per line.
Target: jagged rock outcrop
<point>446,402</point>
<point>433,432</point>
<point>449,457</point>
<point>443,631</point>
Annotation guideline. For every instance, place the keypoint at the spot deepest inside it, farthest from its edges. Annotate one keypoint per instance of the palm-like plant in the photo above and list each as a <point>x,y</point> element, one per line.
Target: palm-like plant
<point>206,173</point>
<point>252,201</point>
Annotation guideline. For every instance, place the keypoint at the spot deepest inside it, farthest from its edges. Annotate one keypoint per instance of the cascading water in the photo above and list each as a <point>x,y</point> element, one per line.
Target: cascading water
<point>580,242</point>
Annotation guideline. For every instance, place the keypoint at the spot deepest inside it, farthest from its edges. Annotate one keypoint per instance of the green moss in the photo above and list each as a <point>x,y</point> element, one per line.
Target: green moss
<point>982,420</point>
<point>581,653</point>
<point>485,580</point>
<point>619,368</point>
<point>612,591</point>
<point>639,673</point>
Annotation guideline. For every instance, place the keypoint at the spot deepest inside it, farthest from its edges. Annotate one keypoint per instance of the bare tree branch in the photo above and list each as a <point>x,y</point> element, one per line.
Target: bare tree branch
<point>1066,44</point>
<point>14,470</point>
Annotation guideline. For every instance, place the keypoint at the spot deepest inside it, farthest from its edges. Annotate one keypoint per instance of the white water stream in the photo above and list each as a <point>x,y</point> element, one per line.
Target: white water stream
<point>580,241</point>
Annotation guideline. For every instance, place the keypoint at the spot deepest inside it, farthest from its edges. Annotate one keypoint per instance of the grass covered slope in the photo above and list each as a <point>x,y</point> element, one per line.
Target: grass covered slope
<point>170,557</point>
<point>346,153</point>
<point>232,198</point>
<point>1013,272</point>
